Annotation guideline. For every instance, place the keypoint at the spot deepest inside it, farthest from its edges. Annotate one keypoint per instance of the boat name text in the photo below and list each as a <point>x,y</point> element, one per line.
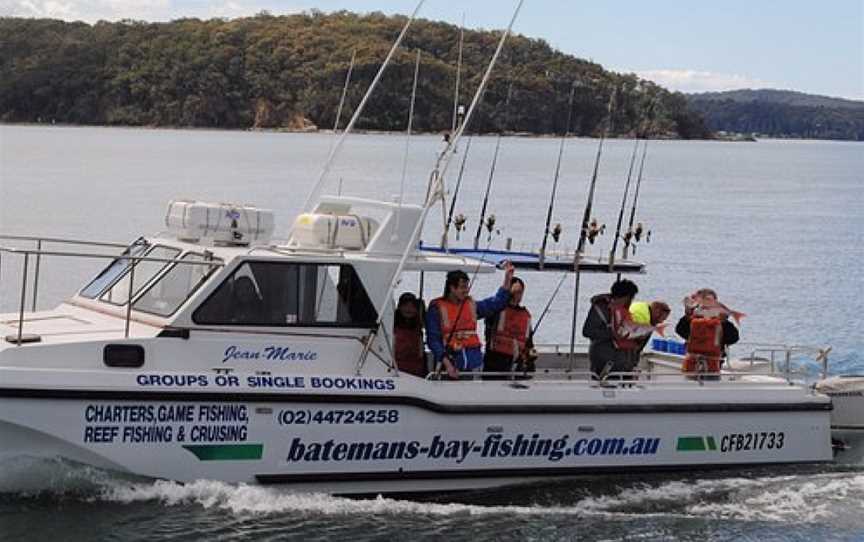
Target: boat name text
<point>268,353</point>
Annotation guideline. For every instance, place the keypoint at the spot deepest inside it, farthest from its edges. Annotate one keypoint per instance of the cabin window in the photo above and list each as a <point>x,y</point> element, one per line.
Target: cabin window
<point>167,294</point>
<point>118,294</point>
<point>114,270</point>
<point>277,294</point>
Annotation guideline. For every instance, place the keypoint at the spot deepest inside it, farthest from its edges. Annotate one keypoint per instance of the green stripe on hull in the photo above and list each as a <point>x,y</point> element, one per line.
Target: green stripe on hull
<point>691,444</point>
<point>712,445</point>
<point>226,452</point>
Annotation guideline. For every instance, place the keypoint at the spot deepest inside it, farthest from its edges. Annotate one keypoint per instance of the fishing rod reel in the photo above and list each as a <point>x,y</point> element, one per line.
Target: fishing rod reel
<point>459,222</point>
<point>556,232</point>
<point>490,227</point>
<point>635,235</point>
<point>594,230</point>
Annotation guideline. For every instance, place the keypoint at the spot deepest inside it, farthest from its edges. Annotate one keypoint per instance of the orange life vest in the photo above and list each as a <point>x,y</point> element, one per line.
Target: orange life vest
<point>408,350</point>
<point>621,313</point>
<point>511,333</point>
<point>462,333</point>
<point>705,346</point>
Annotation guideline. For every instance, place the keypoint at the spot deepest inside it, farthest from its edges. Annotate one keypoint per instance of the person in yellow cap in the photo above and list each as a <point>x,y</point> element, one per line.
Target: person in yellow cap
<point>650,314</point>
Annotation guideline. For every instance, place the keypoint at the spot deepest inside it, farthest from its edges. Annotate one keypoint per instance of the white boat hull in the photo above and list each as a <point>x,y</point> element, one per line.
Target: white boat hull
<point>389,445</point>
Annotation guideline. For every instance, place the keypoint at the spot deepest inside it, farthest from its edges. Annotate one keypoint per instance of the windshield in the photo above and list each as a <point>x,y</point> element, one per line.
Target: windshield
<point>114,270</point>
<point>118,294</point>
<point>167,294</point>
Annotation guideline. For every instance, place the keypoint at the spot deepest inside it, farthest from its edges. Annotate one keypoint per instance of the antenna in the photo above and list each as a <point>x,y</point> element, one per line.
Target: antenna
<point>395,235</point>
<point>456,107</point>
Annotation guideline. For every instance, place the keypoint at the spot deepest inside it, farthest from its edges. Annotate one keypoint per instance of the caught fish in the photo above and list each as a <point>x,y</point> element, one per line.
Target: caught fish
<point>703,306</point>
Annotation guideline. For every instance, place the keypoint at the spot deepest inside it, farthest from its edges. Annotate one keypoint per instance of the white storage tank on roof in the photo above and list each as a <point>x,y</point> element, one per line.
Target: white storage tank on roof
<point>223,223</point>
<point>315,230</point>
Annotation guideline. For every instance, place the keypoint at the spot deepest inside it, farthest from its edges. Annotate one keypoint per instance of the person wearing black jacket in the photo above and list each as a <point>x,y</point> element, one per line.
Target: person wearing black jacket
<point>602,353</point>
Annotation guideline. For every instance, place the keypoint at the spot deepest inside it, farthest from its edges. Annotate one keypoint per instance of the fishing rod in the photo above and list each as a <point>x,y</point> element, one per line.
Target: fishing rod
<point>583,234</point>
<point>492,168</point>
<point>448,219</point>
<point>635,199</point>
<point>623,206</point>
<point>455,195</point>
<point>395,235</point>
<point>557,174</point>
<point>315,193</point>
<point>548,304</point>
<point>436,176</point>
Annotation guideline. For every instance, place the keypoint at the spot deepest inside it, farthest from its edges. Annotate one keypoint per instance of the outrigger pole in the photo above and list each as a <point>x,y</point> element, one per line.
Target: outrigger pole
<point>492,168</point>
<point>557,174</point>
<point>315,193</point>
<point>623,205</point>
<point>583,234</point>
<point>635,200</point>
<point>436,180</point>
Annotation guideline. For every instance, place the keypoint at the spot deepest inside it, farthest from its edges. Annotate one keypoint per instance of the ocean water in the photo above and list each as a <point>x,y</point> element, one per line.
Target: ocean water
<point>775,227</point>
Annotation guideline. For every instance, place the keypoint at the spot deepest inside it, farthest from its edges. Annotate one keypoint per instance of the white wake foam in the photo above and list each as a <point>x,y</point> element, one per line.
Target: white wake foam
<point>803,498</point>
<point>244,499</point>
<point>25,476</point>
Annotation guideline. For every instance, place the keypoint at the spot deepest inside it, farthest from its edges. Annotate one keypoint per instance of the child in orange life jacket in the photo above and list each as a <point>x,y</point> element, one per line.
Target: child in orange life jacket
<point>408,336</point>
<point>451,322</point>
<point>508,336</point>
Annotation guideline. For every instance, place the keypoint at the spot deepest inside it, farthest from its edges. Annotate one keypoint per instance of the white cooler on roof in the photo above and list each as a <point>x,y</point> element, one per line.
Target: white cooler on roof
<point>351,232</point>
<point>223,223</point>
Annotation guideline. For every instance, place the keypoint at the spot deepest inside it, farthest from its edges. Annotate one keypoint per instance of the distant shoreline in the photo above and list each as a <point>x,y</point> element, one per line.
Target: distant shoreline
<point>327,131</point>
<point>732,138</point>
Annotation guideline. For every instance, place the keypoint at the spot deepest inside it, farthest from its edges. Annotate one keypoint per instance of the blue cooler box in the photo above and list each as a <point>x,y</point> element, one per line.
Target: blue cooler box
<point>660,345</point>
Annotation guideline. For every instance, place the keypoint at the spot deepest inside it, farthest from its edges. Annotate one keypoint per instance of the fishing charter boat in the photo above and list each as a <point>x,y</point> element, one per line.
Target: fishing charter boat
<point>212,351</point>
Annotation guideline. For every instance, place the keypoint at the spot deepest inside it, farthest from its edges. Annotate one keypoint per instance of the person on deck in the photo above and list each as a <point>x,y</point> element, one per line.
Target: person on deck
<point>509,344</point>
<point>408,336</point>
<point>650,314</point>
<point>451,322</point>
<point>615,337</point>
<point>704,309</point>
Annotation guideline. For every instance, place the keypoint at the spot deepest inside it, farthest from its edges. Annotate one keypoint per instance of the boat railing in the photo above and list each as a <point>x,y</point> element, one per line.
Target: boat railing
<point>39,252</point>
<point>622,380</point>
<point>43,241</point>
<point>792,360</point>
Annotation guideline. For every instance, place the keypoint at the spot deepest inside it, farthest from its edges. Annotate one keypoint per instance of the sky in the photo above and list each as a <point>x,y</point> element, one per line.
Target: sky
<point>687,45</point>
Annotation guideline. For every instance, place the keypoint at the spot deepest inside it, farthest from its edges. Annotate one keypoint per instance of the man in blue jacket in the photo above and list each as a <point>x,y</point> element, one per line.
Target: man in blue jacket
<point>451,322</point>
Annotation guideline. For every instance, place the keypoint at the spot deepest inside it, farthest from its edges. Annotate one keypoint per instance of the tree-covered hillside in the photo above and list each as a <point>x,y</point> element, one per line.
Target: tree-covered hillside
<point>781,113</point>
<point>288,71</point>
